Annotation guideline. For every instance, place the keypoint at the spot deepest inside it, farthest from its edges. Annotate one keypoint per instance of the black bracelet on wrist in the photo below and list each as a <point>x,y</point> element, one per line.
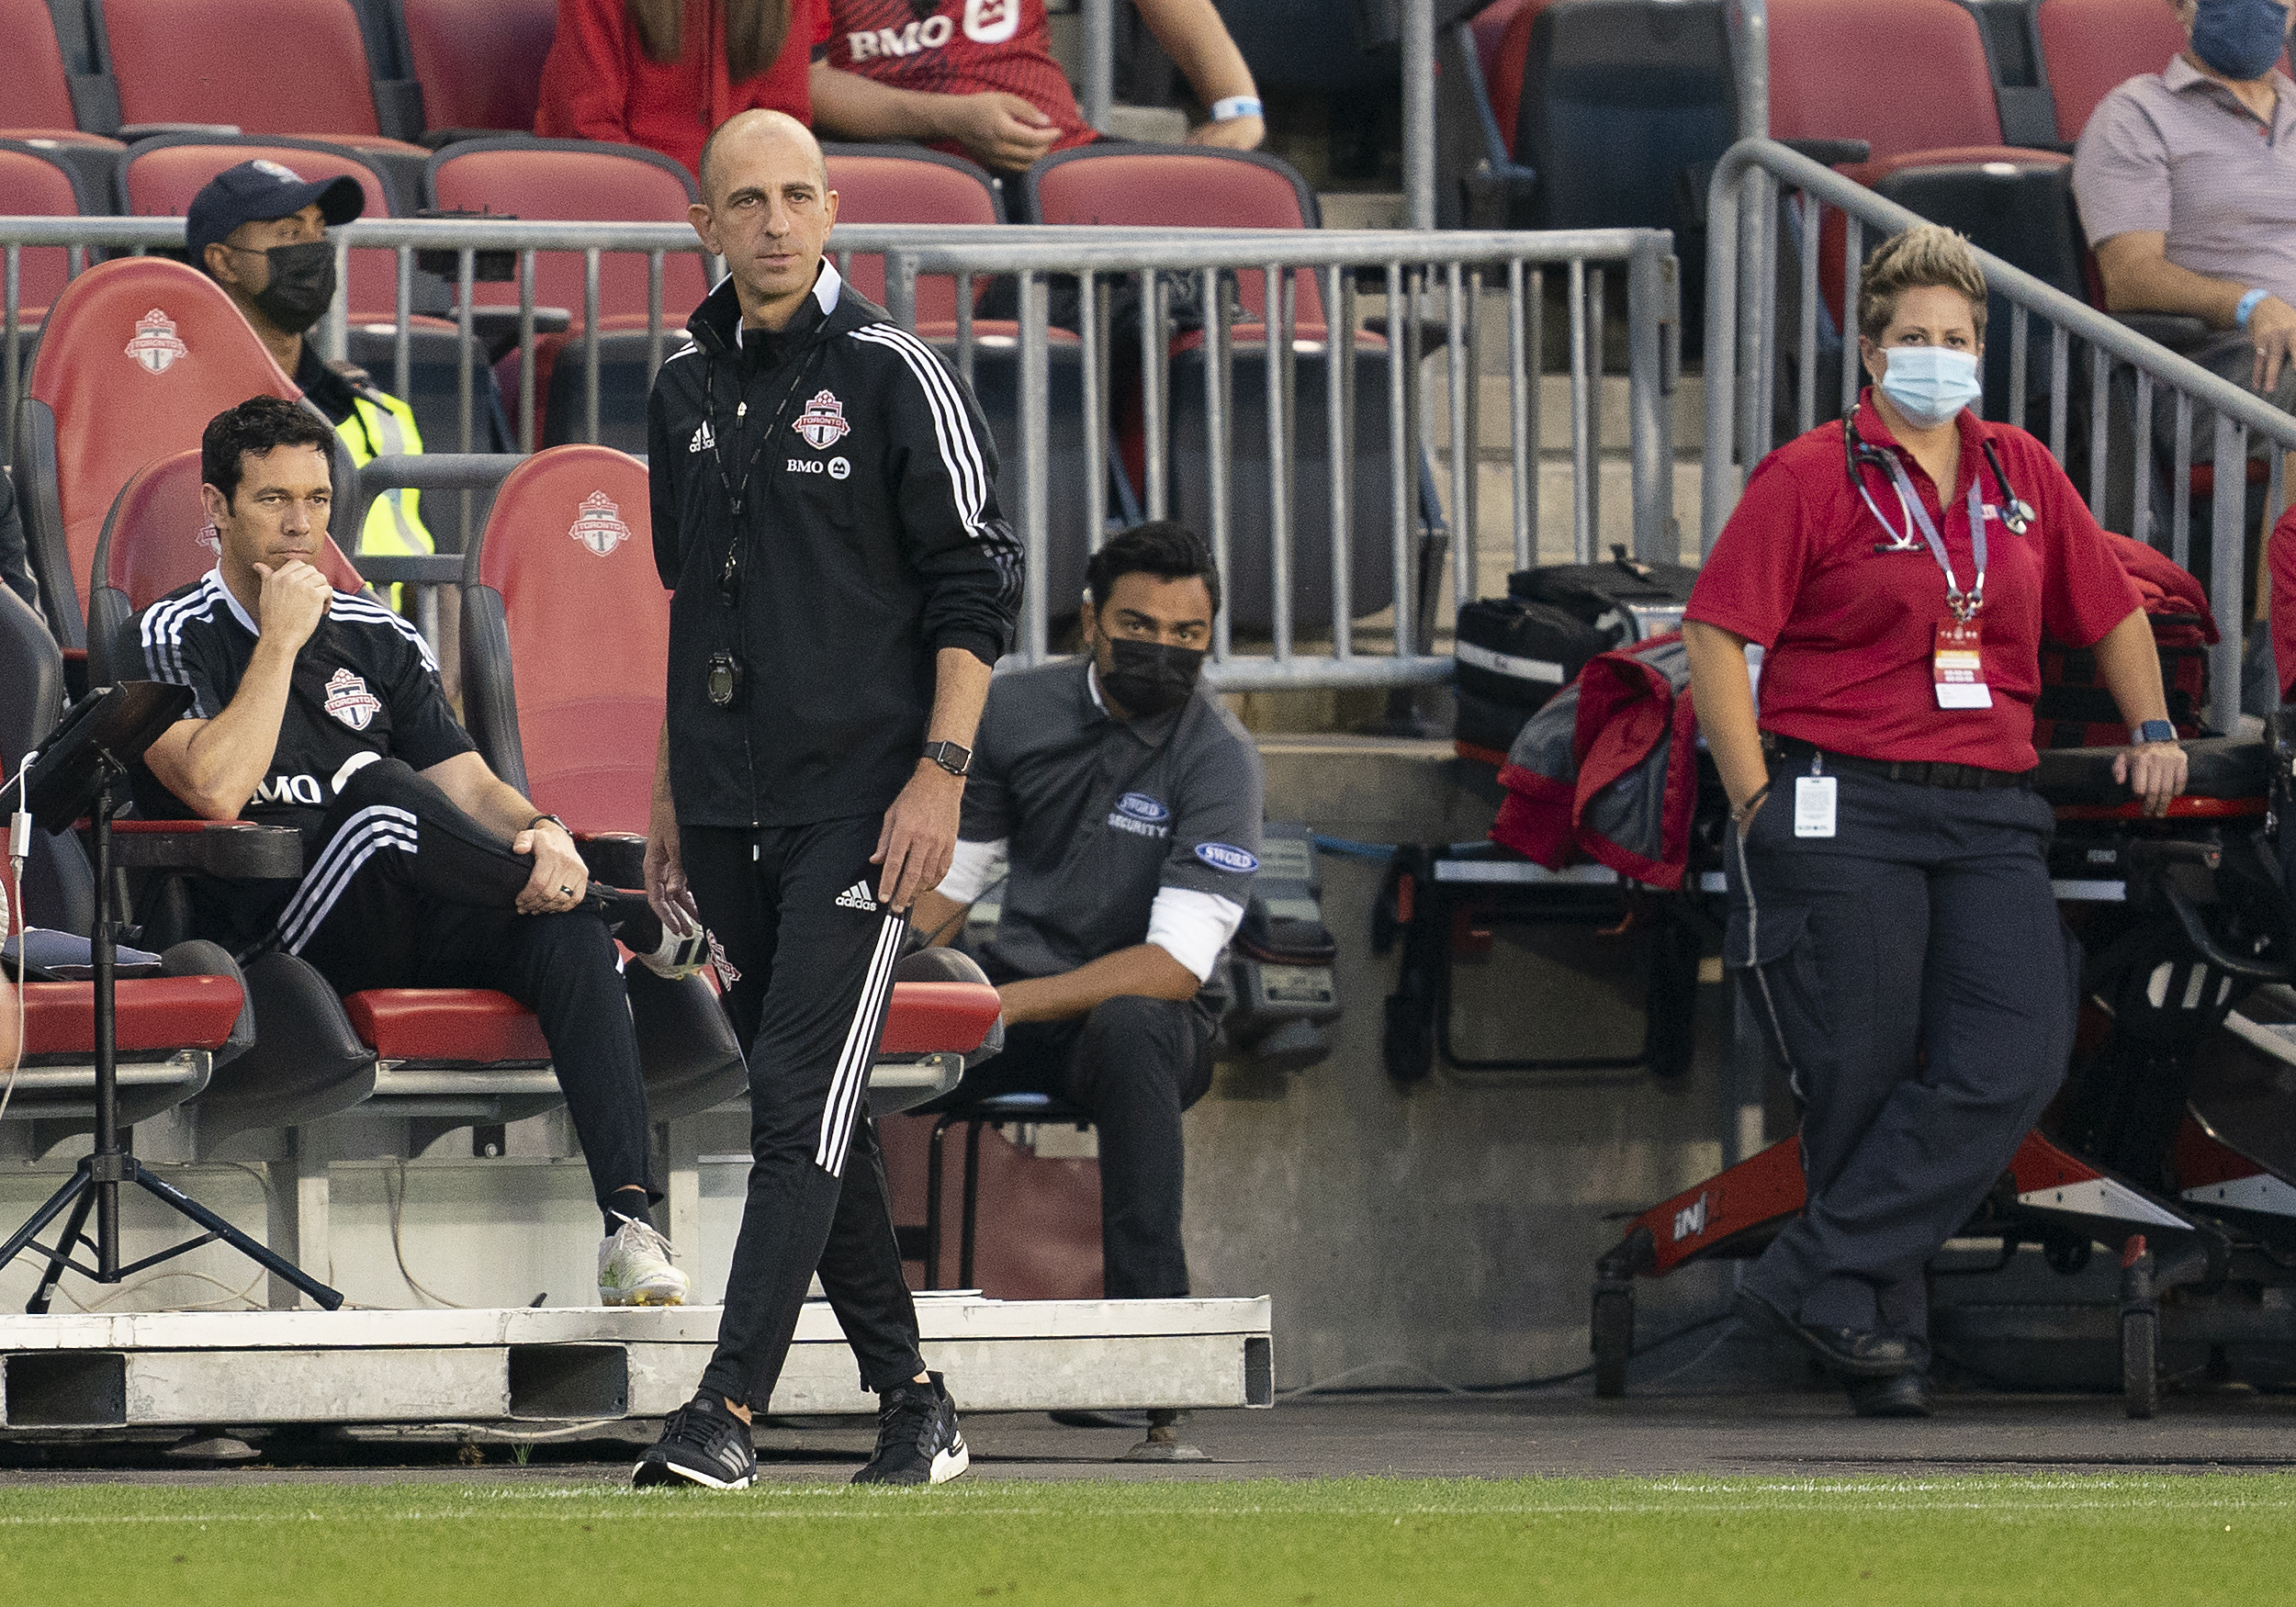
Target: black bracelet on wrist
<point>553,819</point>
<point>1753,802</point>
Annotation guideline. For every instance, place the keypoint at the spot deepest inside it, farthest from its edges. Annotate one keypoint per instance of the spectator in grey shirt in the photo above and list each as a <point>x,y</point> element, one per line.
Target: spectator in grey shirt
<point>2185,180</point>
<point>1128,802</point>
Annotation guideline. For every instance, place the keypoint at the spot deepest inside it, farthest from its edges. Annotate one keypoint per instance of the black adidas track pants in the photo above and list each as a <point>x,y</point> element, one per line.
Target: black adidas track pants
<point>795,910</point>
<point>408,892</point>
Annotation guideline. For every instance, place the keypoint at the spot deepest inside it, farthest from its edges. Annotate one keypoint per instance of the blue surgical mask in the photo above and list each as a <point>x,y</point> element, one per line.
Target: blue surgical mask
<point>2240,39</point>
<point>1930,384</point>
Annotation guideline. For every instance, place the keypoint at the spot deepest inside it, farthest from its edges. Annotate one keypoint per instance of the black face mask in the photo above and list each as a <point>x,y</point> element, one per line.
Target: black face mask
<point>302,285</point>
<point>1149,677</point>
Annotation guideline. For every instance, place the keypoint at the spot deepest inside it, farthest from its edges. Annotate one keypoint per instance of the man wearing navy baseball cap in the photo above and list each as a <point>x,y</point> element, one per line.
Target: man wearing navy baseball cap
<point>259,230</point>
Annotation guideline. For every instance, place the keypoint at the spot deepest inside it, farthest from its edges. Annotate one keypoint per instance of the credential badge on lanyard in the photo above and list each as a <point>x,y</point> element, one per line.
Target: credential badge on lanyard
<point>1957,658</point>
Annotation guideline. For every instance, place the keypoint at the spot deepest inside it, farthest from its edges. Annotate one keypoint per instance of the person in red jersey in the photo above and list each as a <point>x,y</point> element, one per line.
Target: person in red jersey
<point>976,78</point>
<point>1889,884</point>
<point>662,73</point>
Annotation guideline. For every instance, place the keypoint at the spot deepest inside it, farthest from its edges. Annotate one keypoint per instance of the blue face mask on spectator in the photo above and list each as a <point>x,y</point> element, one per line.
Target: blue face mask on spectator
<point>1930,384</point>
<point>2240,39</point>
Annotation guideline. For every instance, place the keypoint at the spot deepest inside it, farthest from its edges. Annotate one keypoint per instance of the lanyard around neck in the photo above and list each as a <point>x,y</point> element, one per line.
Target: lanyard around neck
<point>1964,604</point>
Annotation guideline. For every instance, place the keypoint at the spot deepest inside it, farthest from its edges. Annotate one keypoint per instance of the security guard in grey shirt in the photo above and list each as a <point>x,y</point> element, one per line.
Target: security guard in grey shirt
<point>1128,801</point>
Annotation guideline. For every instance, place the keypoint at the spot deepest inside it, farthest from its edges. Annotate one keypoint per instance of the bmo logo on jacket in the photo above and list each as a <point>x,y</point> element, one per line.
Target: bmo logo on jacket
<point>986,22</point>
<point>929,35</point>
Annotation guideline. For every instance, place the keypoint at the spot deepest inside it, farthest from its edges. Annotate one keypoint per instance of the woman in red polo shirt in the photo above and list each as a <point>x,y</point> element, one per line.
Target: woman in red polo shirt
<point>663,73</point>
<point>1890,887</point>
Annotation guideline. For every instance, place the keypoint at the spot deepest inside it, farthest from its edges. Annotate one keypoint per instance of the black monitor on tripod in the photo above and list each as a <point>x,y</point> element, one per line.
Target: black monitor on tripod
<point>72,777</point>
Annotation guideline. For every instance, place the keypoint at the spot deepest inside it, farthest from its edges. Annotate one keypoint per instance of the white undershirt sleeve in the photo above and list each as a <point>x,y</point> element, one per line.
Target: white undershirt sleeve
<point>1192,926</point>
<point>969,869</point>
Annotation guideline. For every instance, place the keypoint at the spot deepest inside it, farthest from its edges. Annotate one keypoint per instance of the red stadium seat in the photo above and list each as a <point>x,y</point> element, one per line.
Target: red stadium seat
<point>33,184</point>
<point>1183,187</point>
<point>263,66</point>
<point>1818,93</point>
<point>877,185</point>
<point>2091,47</point>
<point>580,181</point>
<point>1503,46</point>
<point>569,543</point>
<point>479,62</point>
<point>159,177</point>
<point>155,538</point>
<point>35,90</point>
<point>137,356</point>
<point>575,181</point>
<point>1192,187</point>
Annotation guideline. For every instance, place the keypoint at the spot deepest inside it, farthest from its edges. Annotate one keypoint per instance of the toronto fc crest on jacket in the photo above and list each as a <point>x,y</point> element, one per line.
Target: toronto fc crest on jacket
<point>848,479</point>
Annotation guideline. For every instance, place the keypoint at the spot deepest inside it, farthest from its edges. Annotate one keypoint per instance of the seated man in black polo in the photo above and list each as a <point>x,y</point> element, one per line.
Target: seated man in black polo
<point>1128,801</point>
<point>321,710</point>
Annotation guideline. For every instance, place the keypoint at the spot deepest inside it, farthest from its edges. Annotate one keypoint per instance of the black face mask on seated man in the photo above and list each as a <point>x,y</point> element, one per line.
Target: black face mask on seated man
<point>1149,677</point>
<point>302,285</point>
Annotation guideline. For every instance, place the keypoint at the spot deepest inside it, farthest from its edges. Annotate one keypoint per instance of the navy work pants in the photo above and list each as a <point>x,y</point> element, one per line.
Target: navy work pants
<point>1918,985</point>
<point>1135,1064</point>
<point>812,956</point>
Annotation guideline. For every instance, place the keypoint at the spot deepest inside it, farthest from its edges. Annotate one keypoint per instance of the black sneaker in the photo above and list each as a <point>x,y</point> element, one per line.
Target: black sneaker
<point>702,1442</point>
<point>918,1442</point>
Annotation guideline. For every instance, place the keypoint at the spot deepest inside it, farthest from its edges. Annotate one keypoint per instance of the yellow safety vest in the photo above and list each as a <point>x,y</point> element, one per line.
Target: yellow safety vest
<point>383,426</point>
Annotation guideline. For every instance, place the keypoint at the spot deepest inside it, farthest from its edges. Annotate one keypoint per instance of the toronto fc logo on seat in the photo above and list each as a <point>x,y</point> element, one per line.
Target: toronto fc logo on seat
<point>599,526</point>
<point>155,345</point>
<point>349,700</point>
<point>823,423</point>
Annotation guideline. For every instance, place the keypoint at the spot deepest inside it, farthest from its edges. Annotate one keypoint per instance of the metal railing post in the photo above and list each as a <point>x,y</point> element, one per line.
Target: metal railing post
<point>1035,478</point>
<point>2228,549</point>
<point>1099,85</point>
<point>1649,416</point>
<point>1419,118</point>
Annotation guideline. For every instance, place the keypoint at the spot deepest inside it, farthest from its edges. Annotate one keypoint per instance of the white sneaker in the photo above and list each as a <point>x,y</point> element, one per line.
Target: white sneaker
<point>634,1269</point>
<point>678,957</point>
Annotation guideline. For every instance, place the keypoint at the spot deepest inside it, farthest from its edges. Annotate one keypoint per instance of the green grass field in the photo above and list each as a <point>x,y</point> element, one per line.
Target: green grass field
<point>2050,1540</point>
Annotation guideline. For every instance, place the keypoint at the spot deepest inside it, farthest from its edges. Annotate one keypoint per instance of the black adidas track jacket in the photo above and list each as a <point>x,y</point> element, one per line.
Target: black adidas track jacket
<point>867,538</point>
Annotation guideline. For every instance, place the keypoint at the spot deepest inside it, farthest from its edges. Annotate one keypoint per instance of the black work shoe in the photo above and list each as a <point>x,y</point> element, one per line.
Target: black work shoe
<point>918,1441</point>
<point>1907,1394</point>
<point>1847,1352</point>
<point>702,1442</point>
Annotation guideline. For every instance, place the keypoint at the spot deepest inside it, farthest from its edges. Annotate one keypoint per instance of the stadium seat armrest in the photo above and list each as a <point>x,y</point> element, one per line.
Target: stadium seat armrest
<point>1832,152</point>
<point>614,858</point>
<point>219,848</point>
<point>2179,331</point>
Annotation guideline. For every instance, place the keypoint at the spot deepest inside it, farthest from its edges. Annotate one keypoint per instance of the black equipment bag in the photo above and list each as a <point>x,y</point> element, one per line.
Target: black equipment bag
<point>1519,653</point>
<point>1488,727</point>
<point>1628,602</point>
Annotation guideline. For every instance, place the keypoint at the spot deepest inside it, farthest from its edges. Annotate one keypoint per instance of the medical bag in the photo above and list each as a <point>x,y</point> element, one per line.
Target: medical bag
<point>1626,599</point>
<point>2076,709</point>
<point>1517,653</point>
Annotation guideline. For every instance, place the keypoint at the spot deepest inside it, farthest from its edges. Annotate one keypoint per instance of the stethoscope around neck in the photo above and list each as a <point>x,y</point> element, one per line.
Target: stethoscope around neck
<point>1858,454</point>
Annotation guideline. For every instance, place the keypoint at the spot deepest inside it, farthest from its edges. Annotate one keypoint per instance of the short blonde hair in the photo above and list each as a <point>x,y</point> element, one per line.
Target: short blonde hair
<point>1924,256</point>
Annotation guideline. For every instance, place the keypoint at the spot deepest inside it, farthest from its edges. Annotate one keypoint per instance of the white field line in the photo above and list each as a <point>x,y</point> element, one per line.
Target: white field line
<point>750,1512</point>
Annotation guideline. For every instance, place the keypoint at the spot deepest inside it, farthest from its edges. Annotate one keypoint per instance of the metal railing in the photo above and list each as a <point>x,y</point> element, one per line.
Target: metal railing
<point>1337,473</point>
<point>1759,182</point>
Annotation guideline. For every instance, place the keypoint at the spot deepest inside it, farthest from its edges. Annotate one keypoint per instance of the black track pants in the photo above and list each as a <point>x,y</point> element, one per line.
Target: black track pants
<point>795,910</point>
<point>1918,985</point>
<point>408,891</point>
<point>1135,1064</point>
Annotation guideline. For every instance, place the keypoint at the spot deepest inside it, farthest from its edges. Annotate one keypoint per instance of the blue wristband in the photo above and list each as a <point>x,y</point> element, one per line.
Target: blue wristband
<point>2248,305</point>
<point>1234,107</point>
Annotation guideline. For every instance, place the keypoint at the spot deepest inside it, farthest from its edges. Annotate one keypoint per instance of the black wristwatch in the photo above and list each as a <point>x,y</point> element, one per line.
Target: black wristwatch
<point>553,819</point>
<point>951,757</point>
<point>2154,731</point>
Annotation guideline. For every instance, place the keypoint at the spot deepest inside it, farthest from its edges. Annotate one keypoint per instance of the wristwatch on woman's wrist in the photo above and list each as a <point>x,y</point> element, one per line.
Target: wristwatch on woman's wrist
<point>2154,731</point>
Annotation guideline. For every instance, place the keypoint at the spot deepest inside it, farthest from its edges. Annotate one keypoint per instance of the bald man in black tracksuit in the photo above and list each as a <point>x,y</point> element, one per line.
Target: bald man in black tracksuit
<point>824,511</point>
